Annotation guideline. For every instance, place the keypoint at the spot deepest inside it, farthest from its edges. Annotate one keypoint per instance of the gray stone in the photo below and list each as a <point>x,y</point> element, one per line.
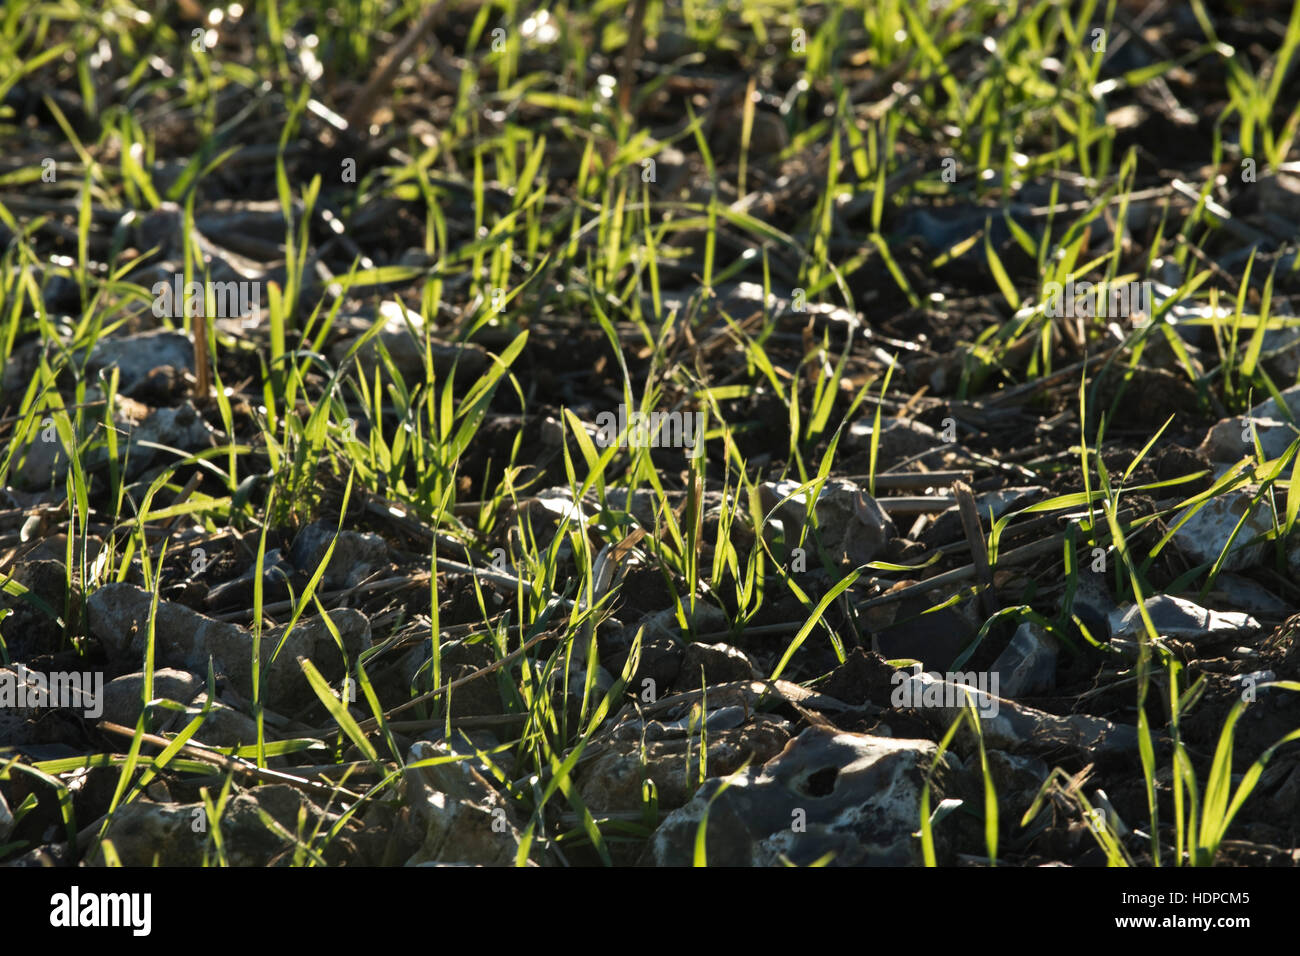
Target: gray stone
<point>50,855</point>
<point>356,555</point>
<point>405,346</point>
<point>1093,604</point>
<point>123,696</point>
<point>601,681</point>
<point>718,663</point>
<point>1178,618</point>
<point>119,617</point>
<point>852,525</point>
<point>1016,778</point>
<point>238,591</point>
<point>1280,353</point>
<point>612,782</point>
<point>663,625</point>
<point>250,841</point>
<point>942,227</point>
<point>459,659</point>
<point>900,438</point>
<point>6,819</point>
<point>551,512</point>
<point>1007,499</point>
<point>146,833</point>
<point>1027,668</point>
<point>182,428</point>
<point>222,727</point>
<point>163,228</point>
<point>466,820</point>
<point>1205,534</point>
<point>32,626</point>
<point>28,694</point>
<point>43,460</point>
<point>1230,439</point>
<point>1253,598</point>
<point>469,742</point>
<point>1008,725</point>
<point>253,228</point>
<point>723,718</point>
<point>135,356</point>
<point>1280,194</point>
<point>285,681</point>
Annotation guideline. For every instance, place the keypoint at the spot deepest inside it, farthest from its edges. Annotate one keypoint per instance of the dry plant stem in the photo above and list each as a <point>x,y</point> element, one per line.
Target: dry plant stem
<point>631,53</point>
<point>229,764</point>
<point>492,722</point>
<point>202,381</point>
<point>279,607</point>
<point>500,577</point>
<point>1047,381</point>
<point>764,689</point>
<point>71,406</point>
<point>958,575</point>
<point>372,724</point>
<point>884,482</point>
<point>383,76</point>
<point>970,523</point>
<point>915,504</point>
<point>917,479</point>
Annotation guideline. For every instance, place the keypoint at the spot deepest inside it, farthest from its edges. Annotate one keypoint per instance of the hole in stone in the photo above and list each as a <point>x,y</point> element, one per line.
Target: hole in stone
<point>821,783</point>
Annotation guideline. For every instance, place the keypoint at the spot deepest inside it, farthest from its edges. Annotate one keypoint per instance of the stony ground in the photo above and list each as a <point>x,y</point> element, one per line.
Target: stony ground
<point>346,564</point>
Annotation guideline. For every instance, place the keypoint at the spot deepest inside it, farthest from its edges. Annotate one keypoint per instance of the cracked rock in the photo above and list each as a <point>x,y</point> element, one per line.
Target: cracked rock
<point>851,795</point>
<point>145,833</point>
<point>466,820</point>
<point>613,781</point>
<point>184,639</point>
